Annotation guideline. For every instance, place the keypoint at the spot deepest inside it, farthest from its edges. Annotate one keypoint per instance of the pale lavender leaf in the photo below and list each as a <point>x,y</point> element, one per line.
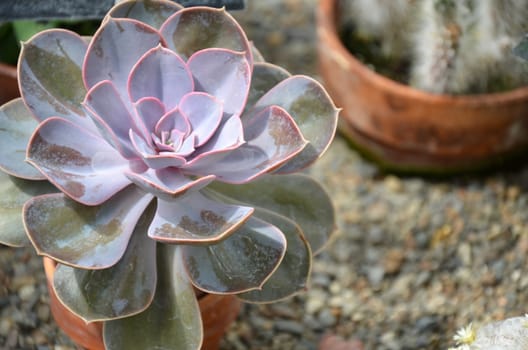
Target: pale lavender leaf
<point>204,113</point>
<point>196,219</point>
<point>140,145</point>
<point>79,163</point>
<point>272,138</point>
<point>110,113</point>
<point>168,183</point>
<point>50,77</point>
<point>115,48</point>
<point>122,290</point>
<point>162,74</point>
<point>149,110</point>
<point>153,159</point>
<point>225,74</point>
<point>228,137</point>
<point>242,262</point>
<point>16,127</point>
<point>187,147</point>
<point>153,13</point>
<point>193,29</point>
<point>90,237</point>
<point>173,120</point>
<point>312,109</point>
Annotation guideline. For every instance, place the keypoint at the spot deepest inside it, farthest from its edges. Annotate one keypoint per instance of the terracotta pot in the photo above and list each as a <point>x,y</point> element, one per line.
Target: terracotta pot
<point>218,312</point>
<point>8,83</point>
<point>407,129</point>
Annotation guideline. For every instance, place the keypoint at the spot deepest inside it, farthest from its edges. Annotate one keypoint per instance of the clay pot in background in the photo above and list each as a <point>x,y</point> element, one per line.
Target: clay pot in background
<point>8,83</point>
<point>405,129</point>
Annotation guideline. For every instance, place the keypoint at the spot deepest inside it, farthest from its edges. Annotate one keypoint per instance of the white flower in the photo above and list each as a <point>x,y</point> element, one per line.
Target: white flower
<point>465,336</point>
<point>525,322</point>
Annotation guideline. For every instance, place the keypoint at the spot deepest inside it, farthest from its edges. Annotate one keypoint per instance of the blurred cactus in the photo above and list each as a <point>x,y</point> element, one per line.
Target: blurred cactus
<point>451,46</point>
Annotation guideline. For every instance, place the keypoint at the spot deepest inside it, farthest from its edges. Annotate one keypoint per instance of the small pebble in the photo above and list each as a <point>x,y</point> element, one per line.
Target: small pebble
<point>26,292</point>
<point>289,326</point>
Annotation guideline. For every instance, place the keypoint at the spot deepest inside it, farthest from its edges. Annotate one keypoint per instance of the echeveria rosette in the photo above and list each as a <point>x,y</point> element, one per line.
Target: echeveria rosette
<point>163,128</point>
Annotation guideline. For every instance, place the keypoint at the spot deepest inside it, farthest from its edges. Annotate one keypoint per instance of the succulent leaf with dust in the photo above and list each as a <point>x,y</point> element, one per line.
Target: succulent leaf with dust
<point>164,128</point>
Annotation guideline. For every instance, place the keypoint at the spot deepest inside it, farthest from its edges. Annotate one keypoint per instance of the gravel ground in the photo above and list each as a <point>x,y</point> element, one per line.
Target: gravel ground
<point>412,260</point>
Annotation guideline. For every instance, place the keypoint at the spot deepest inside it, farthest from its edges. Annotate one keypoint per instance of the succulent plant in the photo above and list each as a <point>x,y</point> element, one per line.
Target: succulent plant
<point>454,47</point>
<point>159,156</point>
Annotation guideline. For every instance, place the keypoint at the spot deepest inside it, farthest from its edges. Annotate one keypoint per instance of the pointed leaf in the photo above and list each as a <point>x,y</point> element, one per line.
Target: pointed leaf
<point>264,77</point>
<point>298,197</point>
<point>173,120</point>
<point>80,236</point>
<point>16,127</point>
<point>111,114</point>
<point>123,290</point>
<point>242,262</point>
<point>16,192</point>
<point>150,110</point>
<point>50,75</point>
<point>115,48</point>
<point>168,183</point>
<point>162,74</point>
<point>293,273</point>
<point>153,13</point>
<point>152,159</point>
<point>228,136</point>
<point>196,219</point>
<point>204,113</point>
<point>312,109</point>
<point>225,74</point>
<point>257,55</point>
<point>79,163</point>
<point>271,139</point>
<point>172,321</point>
<point>193,29</point>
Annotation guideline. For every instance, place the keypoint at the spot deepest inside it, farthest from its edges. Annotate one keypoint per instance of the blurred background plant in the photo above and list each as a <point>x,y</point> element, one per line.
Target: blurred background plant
<point>15,32</point>
<point>440,46</point>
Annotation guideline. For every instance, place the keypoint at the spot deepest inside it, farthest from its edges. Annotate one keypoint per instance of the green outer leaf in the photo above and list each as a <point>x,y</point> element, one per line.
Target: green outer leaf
<point>242,262</point>
<point>81,236</point>
<point>125,289</point>
<point>196,219</point>
<point>294,270</point>
<point>264,77</point>
<point>172,321</point>
<point>153,13</point>
<point>311,107</point>
<point>257,55</point>
<point>15,192</point>
<point>296,196</point>
<point>197,28</point>
<point>50,78</point>
<point>16,127</point>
